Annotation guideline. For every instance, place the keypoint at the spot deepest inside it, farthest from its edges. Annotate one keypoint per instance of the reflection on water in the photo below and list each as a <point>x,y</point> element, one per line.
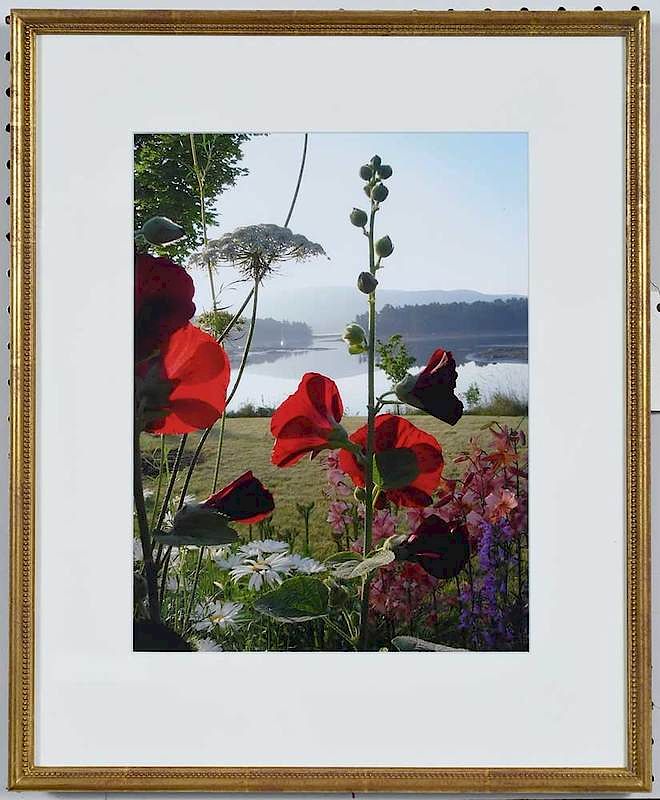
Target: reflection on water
<point>494,362</point>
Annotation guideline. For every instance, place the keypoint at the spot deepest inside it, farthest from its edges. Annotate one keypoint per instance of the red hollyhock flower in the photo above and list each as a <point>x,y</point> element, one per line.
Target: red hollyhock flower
<point>245,500</point>
<point>396,433</point>
<point>163,302</point>
<point>441,548</point>
<point>308,421</point>
<point>188,380</point>
<point>432,390</point>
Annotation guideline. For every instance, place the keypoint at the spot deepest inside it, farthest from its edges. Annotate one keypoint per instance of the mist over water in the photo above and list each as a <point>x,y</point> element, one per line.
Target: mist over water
<point>496,362</point>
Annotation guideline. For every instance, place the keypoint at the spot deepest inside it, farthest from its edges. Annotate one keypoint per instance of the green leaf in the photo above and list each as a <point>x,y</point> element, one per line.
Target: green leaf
<point>413,644</point>
<point>195,525</point>
<point>379,559</point>
<point>350,569</point>
<point>396,467</point>
<point>298,599</point>
<point>343,556</point>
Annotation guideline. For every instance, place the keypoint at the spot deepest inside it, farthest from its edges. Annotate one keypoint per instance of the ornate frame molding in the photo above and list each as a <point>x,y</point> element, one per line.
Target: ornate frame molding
<point>26,26</point>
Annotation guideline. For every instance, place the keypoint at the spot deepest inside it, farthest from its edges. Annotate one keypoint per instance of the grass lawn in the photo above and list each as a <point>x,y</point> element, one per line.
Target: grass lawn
<point>248,444</point>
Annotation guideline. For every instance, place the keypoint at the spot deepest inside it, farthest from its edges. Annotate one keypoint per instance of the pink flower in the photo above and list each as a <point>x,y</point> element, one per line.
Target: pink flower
<point>499,505</point>
<point>416,516</point>
<point>332,459</point>
<point>339,483</point>
<point>337,516</point>
<point>384,524</point>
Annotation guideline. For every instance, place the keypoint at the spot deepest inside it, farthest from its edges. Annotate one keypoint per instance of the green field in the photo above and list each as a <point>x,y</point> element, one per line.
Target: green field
<point>248,443</point>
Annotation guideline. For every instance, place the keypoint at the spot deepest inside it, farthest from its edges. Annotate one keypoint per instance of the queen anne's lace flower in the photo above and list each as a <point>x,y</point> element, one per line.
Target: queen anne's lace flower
<point>256,249</point>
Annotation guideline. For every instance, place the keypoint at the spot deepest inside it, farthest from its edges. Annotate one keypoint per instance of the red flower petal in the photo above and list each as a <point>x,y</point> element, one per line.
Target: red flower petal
<point>199,369</point>
<point>396,432</point>
<point>163,302</point>
<point>244,500</point>
<point>306,420</point>
<point>434,388</point>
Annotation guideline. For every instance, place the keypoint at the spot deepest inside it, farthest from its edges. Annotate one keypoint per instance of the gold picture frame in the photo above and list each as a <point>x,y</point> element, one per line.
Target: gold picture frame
<point>26,27</point>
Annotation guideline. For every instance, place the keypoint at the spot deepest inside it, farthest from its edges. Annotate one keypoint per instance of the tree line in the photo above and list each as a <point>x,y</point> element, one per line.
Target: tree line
<point>498,316</point>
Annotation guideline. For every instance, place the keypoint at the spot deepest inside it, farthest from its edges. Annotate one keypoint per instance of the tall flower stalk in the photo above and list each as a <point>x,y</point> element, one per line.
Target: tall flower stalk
<point>373,173</point>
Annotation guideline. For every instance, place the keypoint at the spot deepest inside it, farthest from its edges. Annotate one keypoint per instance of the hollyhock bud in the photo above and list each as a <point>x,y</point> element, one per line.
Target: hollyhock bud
<point>366,172</point>
<point>354,335</point>
<point>432,390</point>
<point>384,171</point>
<point>161,230</point>
<point>367,190</point>
<point>384,247</point>
<point>359,494</point>
<point>358,217</point>
<point>376,161</point>
<point>366,282</point>
<point>379,192</point>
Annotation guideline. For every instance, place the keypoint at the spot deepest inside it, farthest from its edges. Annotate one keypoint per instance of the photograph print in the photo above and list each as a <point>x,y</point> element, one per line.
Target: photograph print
<point>330,447</point>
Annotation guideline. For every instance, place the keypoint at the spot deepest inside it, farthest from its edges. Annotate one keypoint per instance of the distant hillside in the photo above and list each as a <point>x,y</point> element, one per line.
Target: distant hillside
<point>499,316</point>
<point>329,308</point>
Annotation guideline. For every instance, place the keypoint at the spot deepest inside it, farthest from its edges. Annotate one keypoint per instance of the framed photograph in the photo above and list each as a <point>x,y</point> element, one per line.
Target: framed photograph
<point>330,396</point>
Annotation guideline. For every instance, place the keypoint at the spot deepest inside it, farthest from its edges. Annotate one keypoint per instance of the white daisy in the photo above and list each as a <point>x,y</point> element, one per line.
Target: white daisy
<point>207,646</point>
<point>227,561</point>
<point>220,615</point>
<point>305,564</point>
<point>260,546</point>
<point>262,570</point>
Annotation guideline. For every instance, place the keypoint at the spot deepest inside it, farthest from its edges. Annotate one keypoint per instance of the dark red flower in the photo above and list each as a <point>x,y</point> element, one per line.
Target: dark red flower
<point>245,500</point>
<point>432,390</point>
<point>441,548</point>
<point>163,302</point>
<point>307,421</point>
<point>421,449</point>
<point>184,388</point>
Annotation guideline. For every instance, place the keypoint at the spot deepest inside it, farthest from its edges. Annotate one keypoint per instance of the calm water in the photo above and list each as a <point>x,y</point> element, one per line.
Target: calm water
<point>493,362</point>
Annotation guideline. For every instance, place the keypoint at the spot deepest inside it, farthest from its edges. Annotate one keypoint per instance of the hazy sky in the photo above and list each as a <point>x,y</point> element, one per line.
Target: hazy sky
<point>457,209</point>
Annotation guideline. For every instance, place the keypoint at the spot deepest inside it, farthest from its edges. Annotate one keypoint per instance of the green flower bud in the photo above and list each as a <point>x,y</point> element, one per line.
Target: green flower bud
<point>384,247</point>
<point>366,282</point>
<point>379,192</point>
<point>366,172</point>
<point>384,171</point>
<point>367,190</point>
<point>354,334</point>
<point>359,494</point>
<point>376,161</point>
<point>359,217</point>
<point>161,230</point>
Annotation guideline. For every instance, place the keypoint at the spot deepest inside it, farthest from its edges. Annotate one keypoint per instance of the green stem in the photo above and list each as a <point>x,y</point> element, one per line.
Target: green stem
<point>193,591</point>
<point>201,181</point>
<point>143,525</point>
<point>218,456</point>
<point>371,429</point>
<point>159,487</point>
<point>237,315</point>
<point>248,341</point>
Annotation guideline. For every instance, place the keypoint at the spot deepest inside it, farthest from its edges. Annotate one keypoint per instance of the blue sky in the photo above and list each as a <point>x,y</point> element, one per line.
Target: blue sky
<point>457,209</point>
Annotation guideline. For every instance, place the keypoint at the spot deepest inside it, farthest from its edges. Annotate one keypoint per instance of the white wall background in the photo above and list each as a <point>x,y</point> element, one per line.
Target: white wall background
<point>654,5</point>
